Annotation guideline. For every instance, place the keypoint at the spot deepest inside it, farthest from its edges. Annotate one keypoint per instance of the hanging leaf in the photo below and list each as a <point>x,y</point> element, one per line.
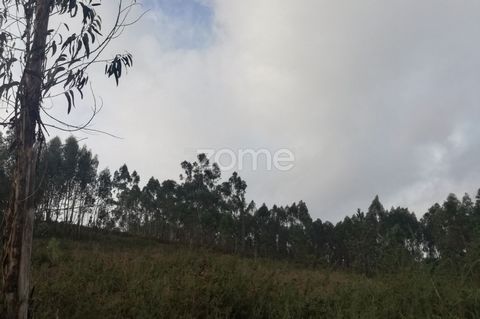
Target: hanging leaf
<point>69,79</point>
<point>85,43</point>
<point>79,47</point>
<point>69,40</point>
<point>81,93</point>
<point>54,48</point>
<point>69,100</point>
<point>92,35</point>
<point>73,97</point>
<point>61,58</point>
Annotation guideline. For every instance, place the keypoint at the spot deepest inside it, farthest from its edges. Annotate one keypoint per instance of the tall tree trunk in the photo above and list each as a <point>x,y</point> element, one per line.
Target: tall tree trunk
<point>48,207</point>
<point>70,220</point>
<point>18,230</point>
<point>242,231</point>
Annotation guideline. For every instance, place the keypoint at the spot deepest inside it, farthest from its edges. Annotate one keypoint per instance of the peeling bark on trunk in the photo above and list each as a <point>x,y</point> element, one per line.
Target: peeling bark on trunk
<point>18,230</point>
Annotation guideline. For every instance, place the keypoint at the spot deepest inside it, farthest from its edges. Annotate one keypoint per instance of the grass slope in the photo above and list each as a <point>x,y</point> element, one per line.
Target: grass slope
<point>117,277</point>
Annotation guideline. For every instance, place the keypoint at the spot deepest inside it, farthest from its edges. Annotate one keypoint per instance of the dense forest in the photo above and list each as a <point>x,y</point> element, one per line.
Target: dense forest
<point>205,210</point>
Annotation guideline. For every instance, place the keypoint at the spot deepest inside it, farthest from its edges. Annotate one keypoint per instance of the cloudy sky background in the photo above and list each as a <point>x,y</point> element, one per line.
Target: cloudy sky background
<point>373,97</point>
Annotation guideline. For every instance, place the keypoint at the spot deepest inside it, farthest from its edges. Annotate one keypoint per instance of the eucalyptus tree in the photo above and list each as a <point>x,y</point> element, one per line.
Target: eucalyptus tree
<point>467,214</point>
<point>454,243</point>
<point>200,200</point>
<point>278,220</point>
<point>432,231</point>
<point>170,205</point>
<point>329,242</point>
<point>70,155</point>
<point>133,205</point>
<point>317,237</point>
<point>50,180</point>
<point>101,216</point>
<point>159,209</point>
<point>371,237</point>
<point>46,49</point>
<point>152,218</point>
<point>86,176</point>
<point>66,182</point>
<point>445,229</point>
<point>239,205</point>
<point>400,238</point>
<point>122,185</point>
<point>264,239</point>
<point>299,230</point>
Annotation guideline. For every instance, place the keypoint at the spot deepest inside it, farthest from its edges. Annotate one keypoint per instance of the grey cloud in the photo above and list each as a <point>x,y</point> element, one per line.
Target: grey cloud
<point>374,97</point>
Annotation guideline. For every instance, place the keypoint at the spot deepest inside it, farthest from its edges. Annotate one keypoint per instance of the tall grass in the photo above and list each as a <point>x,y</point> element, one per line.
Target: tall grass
<point>135,278</point>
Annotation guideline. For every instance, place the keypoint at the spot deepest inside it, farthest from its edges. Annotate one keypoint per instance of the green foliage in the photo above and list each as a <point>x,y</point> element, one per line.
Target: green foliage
<point>134,278</point>
<point>204,210</point>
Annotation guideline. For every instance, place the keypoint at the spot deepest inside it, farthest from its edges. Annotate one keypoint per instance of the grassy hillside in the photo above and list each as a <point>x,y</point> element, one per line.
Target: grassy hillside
<point>118,277</point>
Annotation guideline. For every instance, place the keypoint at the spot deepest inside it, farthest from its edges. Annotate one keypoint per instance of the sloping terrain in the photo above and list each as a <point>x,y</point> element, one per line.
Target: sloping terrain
<point>127,277</point>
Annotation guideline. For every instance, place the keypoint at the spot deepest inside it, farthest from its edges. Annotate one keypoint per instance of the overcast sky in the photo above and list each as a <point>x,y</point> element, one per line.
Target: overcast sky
<point>372,97</point>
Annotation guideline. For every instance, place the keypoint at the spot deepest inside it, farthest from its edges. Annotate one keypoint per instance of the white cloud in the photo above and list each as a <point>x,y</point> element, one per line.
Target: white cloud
<point>373,97</point>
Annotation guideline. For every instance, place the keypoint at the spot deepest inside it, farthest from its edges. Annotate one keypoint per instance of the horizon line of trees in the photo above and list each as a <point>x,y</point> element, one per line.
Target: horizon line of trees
<point>202,209</point>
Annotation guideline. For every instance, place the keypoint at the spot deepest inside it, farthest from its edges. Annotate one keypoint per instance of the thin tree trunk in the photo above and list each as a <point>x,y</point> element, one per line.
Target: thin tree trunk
<point>18,230</point>
<point>242,231</point>
<point>70,220</point>
<point>66,205</point>
<point>48,208</point>
<point>95,216</point>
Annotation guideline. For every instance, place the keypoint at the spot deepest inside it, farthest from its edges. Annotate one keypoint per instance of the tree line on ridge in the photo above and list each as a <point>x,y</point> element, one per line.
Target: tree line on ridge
<point>204,209</point>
